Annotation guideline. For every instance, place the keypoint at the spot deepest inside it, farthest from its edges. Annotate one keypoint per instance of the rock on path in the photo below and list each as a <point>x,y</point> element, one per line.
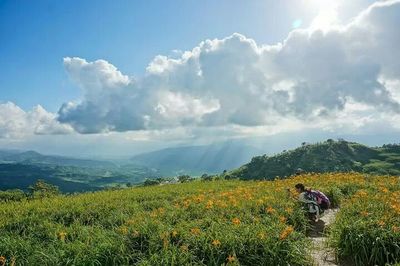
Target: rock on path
<point>321,253</point>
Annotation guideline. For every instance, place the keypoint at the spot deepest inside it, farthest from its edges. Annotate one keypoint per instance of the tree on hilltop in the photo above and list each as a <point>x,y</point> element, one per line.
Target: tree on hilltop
<point>41,189</point>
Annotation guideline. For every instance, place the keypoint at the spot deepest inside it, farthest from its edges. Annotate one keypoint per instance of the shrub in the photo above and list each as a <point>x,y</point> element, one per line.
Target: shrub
<point>12,195</point>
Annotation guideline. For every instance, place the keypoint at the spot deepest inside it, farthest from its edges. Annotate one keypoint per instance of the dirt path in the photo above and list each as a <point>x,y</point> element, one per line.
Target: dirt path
<point>321,253</point>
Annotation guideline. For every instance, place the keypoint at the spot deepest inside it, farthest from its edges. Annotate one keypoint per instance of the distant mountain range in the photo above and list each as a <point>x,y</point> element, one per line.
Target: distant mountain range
<point>19,169</point>
<point>328,156</point>
<point>196,160</point>
<point>32,157</point>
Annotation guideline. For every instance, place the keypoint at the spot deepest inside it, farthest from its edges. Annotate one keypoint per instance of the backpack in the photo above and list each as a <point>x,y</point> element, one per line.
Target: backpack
<point>319,197</point>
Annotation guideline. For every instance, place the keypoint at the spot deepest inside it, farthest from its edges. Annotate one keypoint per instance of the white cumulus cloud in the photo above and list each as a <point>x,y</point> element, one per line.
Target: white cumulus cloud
<point>17,123</point>
<point>312,77</point>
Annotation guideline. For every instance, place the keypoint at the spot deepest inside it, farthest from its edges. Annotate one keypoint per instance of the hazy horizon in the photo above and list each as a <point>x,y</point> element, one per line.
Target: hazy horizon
<point>269,146</point>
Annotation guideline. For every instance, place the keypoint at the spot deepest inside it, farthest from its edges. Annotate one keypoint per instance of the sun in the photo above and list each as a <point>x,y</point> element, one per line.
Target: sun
<point>327,14</point>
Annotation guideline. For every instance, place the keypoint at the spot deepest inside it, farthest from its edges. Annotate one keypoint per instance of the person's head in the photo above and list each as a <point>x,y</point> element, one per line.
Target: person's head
<point>299,171</point>
<point>300,188</point>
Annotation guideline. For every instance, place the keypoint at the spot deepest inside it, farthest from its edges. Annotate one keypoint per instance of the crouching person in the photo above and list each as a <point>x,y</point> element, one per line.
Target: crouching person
<point>315,202</point>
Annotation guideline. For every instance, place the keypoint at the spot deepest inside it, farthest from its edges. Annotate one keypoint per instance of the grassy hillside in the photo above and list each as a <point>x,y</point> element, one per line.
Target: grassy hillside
<point>201,223</point>
<point>328,156</point>
<point>367,227</point>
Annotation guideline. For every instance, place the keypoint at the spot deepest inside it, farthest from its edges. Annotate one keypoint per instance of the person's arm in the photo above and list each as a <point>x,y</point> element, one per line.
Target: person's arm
<point>290,194</point>
<point>302,198</point>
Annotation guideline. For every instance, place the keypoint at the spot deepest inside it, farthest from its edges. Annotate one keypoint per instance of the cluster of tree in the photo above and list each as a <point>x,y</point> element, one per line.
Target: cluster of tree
<point>184,179</point>
<point>206,177</point>
<point>158,181</point>
<point>42,189</point>
<point>39,190</point>
<point>168,180</point>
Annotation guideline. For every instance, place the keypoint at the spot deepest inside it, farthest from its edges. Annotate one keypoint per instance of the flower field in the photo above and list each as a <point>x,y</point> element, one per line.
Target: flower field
<point>368,225</point>
<point>202,223</point>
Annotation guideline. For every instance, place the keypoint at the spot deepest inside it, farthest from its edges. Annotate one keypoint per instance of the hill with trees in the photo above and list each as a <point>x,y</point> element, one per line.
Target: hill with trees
<point>328,156</point>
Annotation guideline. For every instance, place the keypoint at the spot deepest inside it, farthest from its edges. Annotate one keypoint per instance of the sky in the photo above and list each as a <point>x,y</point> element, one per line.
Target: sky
<point>121,77</point>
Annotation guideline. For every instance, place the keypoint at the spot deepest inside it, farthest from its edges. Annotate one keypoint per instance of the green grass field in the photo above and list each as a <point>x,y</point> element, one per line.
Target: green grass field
<point>202,223</point>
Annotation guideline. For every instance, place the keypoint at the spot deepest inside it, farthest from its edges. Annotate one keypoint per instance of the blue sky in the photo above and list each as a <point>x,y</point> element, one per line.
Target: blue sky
<point>109,77</point>
<point>36,35</point>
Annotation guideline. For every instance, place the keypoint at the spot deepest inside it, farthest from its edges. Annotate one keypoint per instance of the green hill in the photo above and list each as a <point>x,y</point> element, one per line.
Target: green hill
<point>328,156</point>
